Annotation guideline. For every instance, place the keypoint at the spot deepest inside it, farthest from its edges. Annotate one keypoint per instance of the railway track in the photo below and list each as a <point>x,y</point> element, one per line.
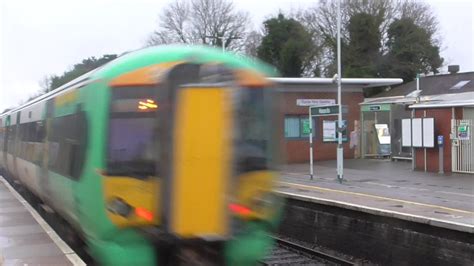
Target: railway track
<point>288,253</point>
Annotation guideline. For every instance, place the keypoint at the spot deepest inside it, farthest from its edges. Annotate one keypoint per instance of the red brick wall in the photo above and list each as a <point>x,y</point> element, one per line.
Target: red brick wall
<point>442,120</point>
<point>297,150</point>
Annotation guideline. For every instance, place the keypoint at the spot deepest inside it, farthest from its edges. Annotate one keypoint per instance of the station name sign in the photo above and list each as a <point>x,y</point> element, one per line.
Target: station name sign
<point>311,102</point>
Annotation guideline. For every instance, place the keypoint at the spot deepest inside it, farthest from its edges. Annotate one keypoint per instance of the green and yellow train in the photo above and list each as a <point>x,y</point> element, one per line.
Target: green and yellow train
<point>163,156</point>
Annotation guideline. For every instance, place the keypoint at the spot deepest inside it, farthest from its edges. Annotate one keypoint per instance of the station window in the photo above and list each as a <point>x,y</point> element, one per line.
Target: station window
<point>298,127</point>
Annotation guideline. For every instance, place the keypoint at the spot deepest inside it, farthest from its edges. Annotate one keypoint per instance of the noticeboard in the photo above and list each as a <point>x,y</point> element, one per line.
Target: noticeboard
<point>330,131</point>
<point>428,133</point>
<point>406,132</point>
<point>417,132</point>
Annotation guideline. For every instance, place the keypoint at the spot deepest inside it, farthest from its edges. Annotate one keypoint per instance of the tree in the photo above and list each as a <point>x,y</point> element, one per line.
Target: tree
<point>45,83</point>
<point>77,70</point>
<point>208,22</point>
<point>253,41</point>
<point>286,44</point>
<point>361,55</point>
<point>321,21</point>
<point>411,50</point>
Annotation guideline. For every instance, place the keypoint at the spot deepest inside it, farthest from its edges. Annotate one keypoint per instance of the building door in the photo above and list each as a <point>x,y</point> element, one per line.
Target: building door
<point>370,142</point>
<point>462,146</point>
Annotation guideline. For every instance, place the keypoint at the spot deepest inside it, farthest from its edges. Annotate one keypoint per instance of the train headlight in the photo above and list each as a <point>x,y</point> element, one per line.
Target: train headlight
<point>120,207</point>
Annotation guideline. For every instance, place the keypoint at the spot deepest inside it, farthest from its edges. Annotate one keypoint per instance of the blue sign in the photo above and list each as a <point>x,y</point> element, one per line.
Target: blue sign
<point>440,140</point>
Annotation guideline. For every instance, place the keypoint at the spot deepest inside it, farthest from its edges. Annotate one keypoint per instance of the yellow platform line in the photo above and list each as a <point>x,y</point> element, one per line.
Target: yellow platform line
<point>376,197</point>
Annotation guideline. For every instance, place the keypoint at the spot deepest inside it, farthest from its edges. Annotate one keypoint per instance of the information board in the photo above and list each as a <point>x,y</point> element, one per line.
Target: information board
<point>417,131</point>
<point>406,132</point>
<point>428,133</point>
<point>464,130</point>
<point>306,126</point>
<point>330,131</point>
<point>383,135</point>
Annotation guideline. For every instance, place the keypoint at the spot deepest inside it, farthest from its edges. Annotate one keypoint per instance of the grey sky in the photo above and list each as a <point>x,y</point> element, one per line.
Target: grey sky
<point>45,37</point>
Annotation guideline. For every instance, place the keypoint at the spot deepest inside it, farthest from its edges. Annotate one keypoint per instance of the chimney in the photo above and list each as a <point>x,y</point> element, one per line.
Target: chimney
<point>453,69</point>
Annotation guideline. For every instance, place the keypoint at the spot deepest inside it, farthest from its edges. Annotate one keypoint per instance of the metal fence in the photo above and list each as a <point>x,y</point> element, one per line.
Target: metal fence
<point>462,146</point>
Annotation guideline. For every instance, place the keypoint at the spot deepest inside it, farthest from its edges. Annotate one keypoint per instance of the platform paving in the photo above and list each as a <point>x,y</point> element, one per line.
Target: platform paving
<point>25,238</point>
<point>387,188</point>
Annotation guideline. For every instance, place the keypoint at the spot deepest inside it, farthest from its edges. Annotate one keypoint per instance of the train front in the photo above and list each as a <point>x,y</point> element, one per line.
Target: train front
<point>192,149</point>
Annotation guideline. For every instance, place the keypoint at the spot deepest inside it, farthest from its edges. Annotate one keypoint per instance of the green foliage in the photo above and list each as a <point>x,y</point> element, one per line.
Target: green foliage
<point>286,44</point>
<point>410,51</point>
<point>361,56</point>
<point>368,50</point>
<point>77,70</point>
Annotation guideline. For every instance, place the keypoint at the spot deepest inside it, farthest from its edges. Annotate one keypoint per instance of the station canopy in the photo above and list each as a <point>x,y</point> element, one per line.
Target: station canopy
<point>445,100</point>
<point>330,84</point>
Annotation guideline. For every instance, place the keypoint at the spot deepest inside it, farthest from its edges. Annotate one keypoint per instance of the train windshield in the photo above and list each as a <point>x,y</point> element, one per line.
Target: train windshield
<point>253,147</point>
<point>132,133</point>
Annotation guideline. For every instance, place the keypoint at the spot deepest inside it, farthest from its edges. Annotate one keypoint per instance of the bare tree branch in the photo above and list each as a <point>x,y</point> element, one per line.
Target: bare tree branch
<point>321,19</point>
<point>202,22</point>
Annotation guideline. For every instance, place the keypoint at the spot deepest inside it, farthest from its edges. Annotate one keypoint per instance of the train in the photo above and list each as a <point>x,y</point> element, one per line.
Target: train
<point>164,156</point>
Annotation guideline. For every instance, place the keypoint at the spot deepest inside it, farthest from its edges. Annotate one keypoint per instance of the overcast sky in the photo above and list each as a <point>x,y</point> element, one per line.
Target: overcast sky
<point>39,38</point>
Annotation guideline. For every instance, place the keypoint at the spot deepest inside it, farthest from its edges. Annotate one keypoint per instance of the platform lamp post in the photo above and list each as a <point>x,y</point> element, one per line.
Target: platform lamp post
<point>223,38</point>
<point>340,149</point>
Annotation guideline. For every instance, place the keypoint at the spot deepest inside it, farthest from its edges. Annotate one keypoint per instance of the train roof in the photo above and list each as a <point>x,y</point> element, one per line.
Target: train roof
<point>155,55</point>
<point>171,53</point>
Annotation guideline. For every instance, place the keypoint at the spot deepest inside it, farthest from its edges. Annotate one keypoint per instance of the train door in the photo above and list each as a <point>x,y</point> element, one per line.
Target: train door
<point>195,126</point>
<point>13,145</point>
<point>44,173</point>
<point>5,141</point>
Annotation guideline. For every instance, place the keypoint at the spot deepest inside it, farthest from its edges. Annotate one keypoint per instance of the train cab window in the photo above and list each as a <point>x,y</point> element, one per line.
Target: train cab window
<point>132,147</point>
<point>253,147</point>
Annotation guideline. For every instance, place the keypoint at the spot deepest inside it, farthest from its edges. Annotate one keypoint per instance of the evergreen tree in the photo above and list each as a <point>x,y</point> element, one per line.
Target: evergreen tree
<point>77,70</point>
<point>411,50</point>
<point>361,55</point>
<point>286,44</point>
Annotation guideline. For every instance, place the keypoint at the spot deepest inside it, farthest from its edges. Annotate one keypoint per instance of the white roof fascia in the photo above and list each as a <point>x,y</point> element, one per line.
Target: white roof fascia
<point>441,104</point>
<point>363,82</point>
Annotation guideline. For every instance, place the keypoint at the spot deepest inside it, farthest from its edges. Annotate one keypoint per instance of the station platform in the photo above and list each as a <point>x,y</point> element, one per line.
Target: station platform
<point>25,238</point>
<point>386,188</point>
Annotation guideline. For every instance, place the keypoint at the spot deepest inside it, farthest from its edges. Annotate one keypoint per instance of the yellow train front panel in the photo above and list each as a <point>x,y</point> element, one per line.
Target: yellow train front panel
<point>201,162</point>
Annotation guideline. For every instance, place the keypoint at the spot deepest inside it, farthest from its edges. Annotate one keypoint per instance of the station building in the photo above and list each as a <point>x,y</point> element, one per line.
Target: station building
<point>298,94</point>
<point>448,99</point>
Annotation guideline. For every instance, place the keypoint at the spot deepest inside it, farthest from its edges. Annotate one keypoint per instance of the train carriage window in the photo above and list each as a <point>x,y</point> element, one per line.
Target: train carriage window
<point>11,138</point>
<point>67,144</point>
<point>2,134</point>
<point>31,141</point>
